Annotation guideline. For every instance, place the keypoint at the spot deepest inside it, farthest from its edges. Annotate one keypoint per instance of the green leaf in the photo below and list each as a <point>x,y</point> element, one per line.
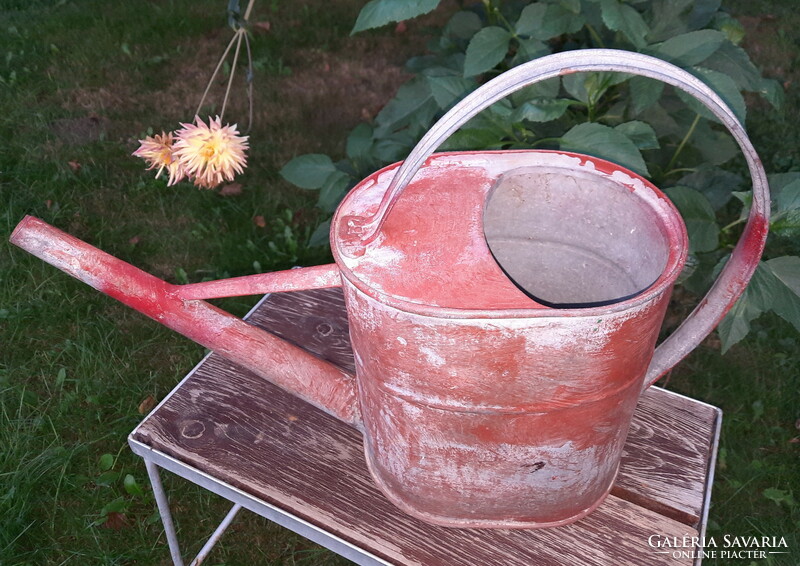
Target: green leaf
<point>606,143</point>
<point>531,20</point>
<point>412,102</point>
<point>753,302</point>
<point>321,235</point>
<point>333,190</point>
<point>530,49</point>
<point>308,171</point>
<point>486,49</point>
<point>106,462</point>
<point>772,91</point>
<point>699,216</point>
<point>359,141</point>
<point>716,184</point>
<point>625,19</point>
<point>640,133</point>
<point>545,21</point>
<point>669,19</point>
<point>775,286</point>
<point>644,93</point>
<point>690,48</point>
<point>394,147</point>
<point>381,12</point>
<point>448,89</point>
<point>730,26</point>
<point>573,6</point>
<point>591,86</point>
<point>724,86</point>
<point>715,146</point>
<point>734,62</point>
<point>544,89</point>
<point>131,486</point>
<point>786,298</point>
<point>107,478</point>
<point>463,25</point>
<point>472,138</point>
<point>788,199</point>
<point>779,496</point>
<point>541,109</point>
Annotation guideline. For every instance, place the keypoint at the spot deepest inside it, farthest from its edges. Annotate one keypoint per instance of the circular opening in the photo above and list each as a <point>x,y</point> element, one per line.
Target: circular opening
<point>574,238</point>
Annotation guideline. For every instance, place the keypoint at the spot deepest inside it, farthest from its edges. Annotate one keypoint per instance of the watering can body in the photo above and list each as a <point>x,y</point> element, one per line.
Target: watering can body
<point>504,309</point>
<point>481,406</point>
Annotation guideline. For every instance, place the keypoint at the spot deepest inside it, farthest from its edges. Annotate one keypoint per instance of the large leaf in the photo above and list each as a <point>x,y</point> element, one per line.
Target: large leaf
<point>463,25</point>
<point>473,138</point>
<point>447,89</point>
<point>669,19</point>
<point>640,133</point>
<point>734,62</point>
<point>544,21</point>
<point>604,142</point>
<point>541,109</point>
<point>701,222</point>
<point>321,236</point>
<point>333,190</point>
<point>528,50</point>
<point>690,48</point>
<point>775,286</point>
<point>625,19</point>
<point>545,89</point>
<point>715,146</point>
<point>308,171</point>
<point>359,141</point>
<point>407,105</point>
<point>644,93</point>
<point>786,298</point>
<point>395,147</point>
<point>717,185</point>
<point>591,86</point>
<point>486,49</point>
<point>724,86</point>
<point>754,301</point>
<point>786,207</point>
<point>381,12</point>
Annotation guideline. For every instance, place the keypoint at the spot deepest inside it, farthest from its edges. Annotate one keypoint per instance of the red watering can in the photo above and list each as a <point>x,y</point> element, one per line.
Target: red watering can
<point>503,311</point>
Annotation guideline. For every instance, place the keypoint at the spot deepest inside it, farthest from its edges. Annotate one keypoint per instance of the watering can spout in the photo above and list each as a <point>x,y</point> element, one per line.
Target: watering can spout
<point>179,307</point>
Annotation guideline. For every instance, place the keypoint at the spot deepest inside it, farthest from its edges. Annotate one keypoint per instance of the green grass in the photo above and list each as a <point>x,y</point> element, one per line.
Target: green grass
<point>80,82</point>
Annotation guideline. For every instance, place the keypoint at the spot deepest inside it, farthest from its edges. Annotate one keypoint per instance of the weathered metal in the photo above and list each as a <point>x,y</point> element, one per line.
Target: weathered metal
<point>503,309</point>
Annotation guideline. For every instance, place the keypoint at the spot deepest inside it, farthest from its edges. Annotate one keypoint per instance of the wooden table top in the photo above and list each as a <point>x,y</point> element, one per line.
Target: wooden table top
<point>245,432</point>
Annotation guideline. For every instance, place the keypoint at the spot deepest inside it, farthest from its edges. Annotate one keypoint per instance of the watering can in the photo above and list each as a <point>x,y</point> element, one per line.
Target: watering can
<point>503,310</point>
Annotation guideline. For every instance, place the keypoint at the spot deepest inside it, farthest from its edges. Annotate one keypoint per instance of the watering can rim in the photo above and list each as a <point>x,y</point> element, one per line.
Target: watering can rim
<point>677,243</point>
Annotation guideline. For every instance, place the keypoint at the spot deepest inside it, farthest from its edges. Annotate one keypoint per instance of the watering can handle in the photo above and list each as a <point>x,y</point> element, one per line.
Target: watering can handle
<point>745,257</point>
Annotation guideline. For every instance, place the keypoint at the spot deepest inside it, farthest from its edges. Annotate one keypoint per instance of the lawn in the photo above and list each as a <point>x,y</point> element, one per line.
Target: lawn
<point>80,82</point>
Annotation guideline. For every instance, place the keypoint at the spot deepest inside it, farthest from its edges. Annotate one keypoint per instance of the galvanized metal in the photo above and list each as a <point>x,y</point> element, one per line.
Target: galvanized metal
<point>481,406</point>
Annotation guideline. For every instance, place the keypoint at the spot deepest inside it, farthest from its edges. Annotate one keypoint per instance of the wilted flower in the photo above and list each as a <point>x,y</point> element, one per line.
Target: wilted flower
<point>210,154</point>
<point>158,151</point>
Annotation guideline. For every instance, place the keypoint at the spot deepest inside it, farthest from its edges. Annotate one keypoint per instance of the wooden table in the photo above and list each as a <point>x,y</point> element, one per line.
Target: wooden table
<point>263,449</point>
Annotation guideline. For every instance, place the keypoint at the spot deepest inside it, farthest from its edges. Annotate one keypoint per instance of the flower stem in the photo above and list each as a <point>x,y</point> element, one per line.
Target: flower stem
<point>239,33</point>
<point>214,74</point>
<point>237,37</point>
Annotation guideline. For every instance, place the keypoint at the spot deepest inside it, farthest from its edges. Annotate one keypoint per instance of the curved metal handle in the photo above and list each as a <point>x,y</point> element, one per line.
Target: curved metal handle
<point>745,257</point>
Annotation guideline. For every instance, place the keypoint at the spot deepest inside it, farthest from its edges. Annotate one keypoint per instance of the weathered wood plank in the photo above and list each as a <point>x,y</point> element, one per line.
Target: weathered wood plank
<point>250,434</point>
<point>667,455</point>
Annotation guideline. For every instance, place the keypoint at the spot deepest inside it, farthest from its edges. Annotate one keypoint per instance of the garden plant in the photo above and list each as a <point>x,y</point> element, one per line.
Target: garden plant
<point>326,93</point>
